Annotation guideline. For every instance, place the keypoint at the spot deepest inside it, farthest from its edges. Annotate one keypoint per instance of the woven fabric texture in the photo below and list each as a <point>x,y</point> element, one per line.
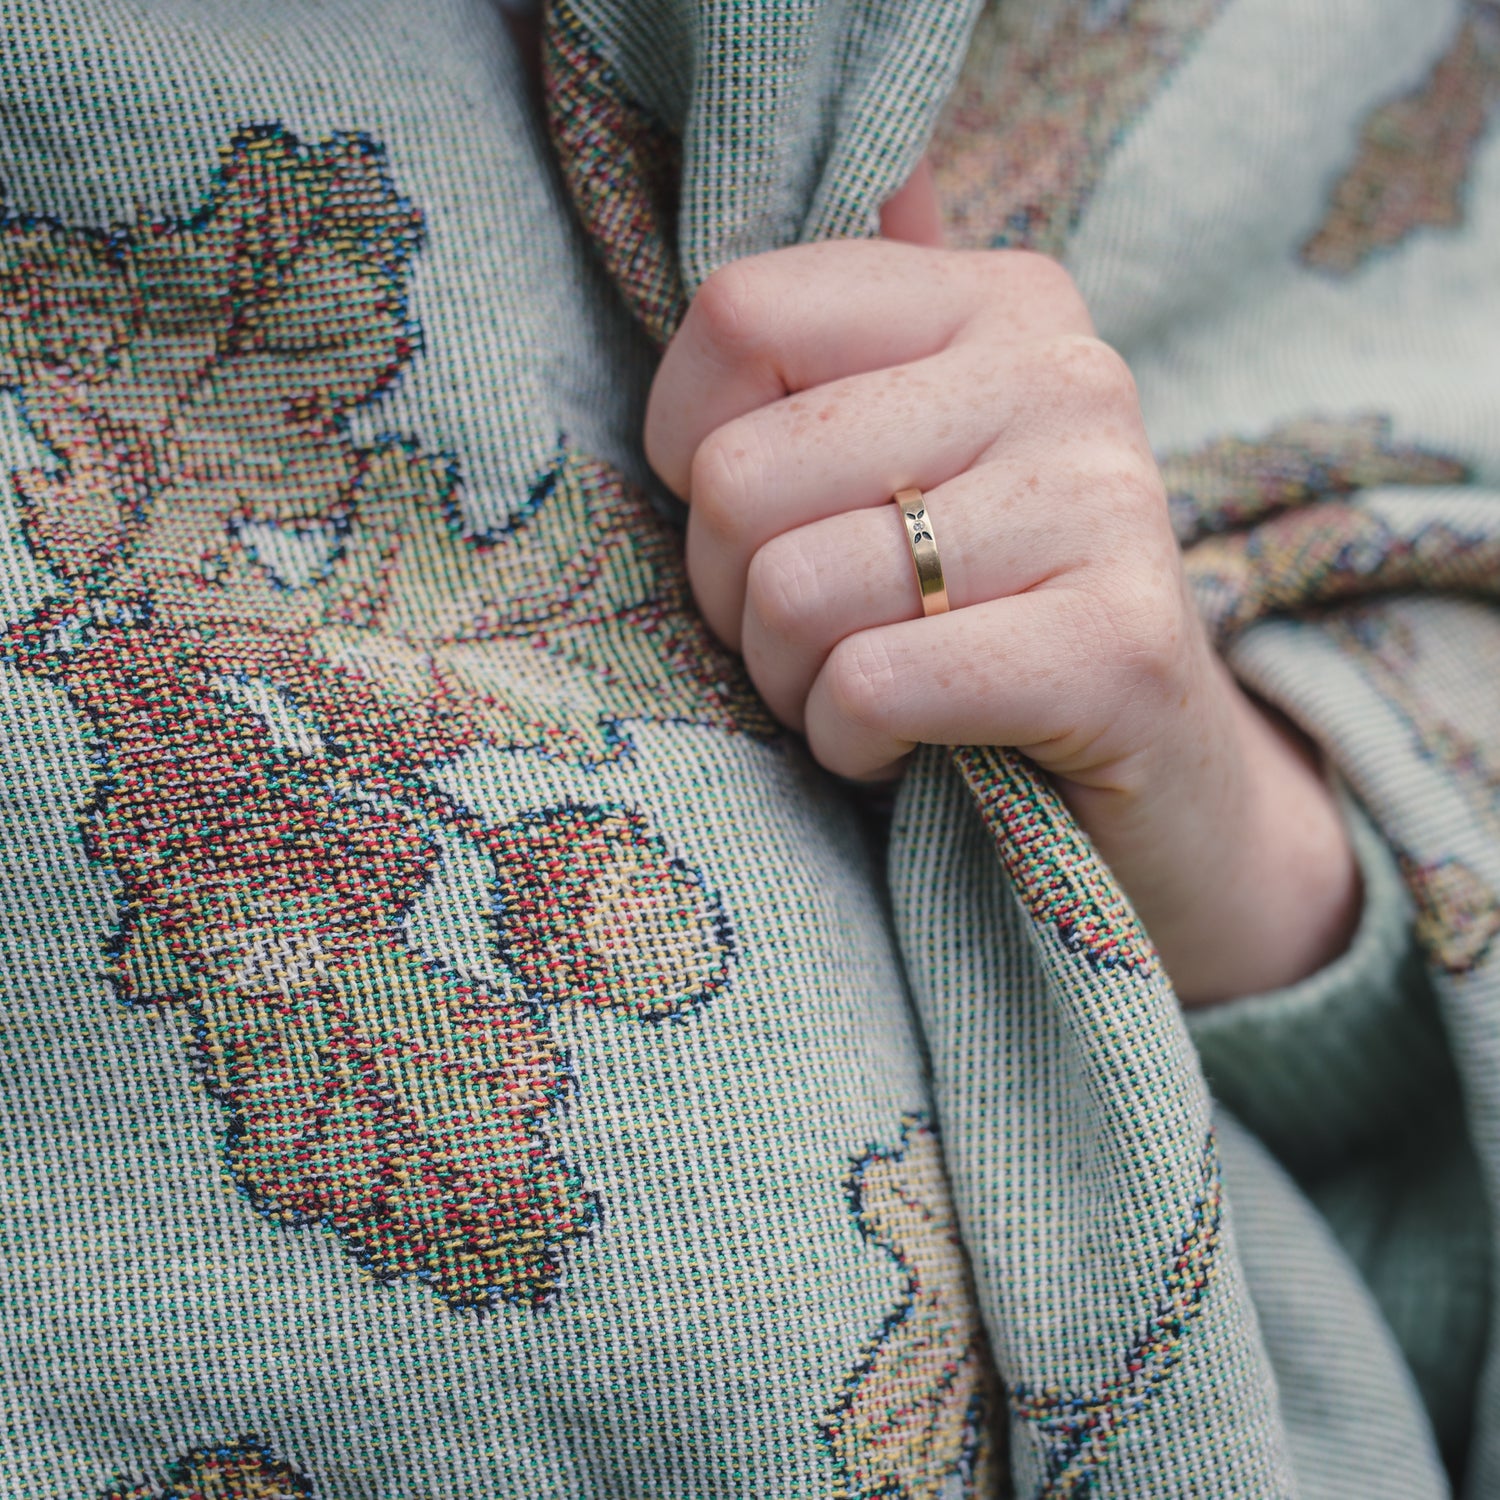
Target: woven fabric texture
<point>455,1044</point>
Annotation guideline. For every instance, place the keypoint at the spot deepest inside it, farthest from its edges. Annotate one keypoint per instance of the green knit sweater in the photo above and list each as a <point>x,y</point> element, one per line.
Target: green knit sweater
<point>1347,1080</point>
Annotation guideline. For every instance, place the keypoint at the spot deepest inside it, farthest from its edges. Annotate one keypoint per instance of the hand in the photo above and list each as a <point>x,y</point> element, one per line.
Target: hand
<point>809,384</point>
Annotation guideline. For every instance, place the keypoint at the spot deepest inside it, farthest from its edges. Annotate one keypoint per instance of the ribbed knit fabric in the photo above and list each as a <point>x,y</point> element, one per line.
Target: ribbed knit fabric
<point>1347,1079</point>
<point>1346,1062</point>
<point>455,1045</point>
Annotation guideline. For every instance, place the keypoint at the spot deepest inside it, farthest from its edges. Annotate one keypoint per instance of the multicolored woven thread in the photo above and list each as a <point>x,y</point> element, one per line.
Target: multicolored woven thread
<point>1083,1429</point>
<point>1049,91</point>
<point>266,727</point>
<point>1415,153</point>
<point>1233,483</point>
<point>242,1470</point>
<point>522,963</point>
<point>622,168</point>
<point>913,1418</point>
<point>1059,879</point>
<point>1333,551</point>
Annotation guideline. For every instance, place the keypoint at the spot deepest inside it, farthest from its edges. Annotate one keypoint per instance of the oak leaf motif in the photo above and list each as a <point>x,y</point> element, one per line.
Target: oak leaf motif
<point>276,635</point>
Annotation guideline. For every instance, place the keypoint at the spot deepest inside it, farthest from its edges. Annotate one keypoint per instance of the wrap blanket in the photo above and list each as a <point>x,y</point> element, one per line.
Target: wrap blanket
<point>455,1044</point>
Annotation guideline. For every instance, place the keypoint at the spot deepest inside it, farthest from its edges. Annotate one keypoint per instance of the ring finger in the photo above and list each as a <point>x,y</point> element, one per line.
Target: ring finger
<point>807,589</point>
<point>851,443</point>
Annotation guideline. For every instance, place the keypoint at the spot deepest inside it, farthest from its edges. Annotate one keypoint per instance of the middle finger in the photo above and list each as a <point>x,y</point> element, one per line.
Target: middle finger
<point>844,446</point>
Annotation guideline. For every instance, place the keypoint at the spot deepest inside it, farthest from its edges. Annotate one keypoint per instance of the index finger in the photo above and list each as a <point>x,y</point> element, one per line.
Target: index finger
<point>770,325</point>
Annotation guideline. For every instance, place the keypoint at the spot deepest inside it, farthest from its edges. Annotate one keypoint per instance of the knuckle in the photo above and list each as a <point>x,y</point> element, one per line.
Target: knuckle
<point>783,587</point>
<point>1135,493</point>
<point>861,682</point>
<point>732,308</point>
<point>1096,371</point>
<point>1047,275</point>
<point>1040,281</point>
<point>726,474</point>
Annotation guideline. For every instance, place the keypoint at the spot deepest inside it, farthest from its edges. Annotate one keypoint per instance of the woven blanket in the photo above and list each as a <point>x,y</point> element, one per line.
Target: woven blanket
<point>456,1044</point>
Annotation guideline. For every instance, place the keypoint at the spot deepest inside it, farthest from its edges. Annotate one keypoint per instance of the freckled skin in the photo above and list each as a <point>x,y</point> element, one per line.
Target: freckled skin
<point>1071,634</point>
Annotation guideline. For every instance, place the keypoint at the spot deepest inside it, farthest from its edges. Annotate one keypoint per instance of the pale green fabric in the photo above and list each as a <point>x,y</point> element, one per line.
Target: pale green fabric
<point>1347,1080</point>
<point>1343,1063</point>
<point>454,1045</point>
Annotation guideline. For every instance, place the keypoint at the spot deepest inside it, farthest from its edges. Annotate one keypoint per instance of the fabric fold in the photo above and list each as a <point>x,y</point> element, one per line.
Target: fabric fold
<point>1074,1111</point>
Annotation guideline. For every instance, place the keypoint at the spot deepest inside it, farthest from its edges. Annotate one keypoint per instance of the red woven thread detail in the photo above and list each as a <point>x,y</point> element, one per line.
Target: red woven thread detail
<point>621,167</point>
<point>275,636</point>
<point>242,1470</point>
<point>1060,881</point>
<point>1081,1430</point>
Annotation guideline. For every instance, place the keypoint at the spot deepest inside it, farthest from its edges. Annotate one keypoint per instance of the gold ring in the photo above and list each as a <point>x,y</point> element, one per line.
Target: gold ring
<point>924,552</point>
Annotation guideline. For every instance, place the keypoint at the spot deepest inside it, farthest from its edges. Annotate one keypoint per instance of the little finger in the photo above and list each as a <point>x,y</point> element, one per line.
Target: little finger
<point>1025,671</point>
<point>809,588</point>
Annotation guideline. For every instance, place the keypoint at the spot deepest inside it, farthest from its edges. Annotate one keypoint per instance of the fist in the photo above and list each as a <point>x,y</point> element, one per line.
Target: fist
<point>809,385</point>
